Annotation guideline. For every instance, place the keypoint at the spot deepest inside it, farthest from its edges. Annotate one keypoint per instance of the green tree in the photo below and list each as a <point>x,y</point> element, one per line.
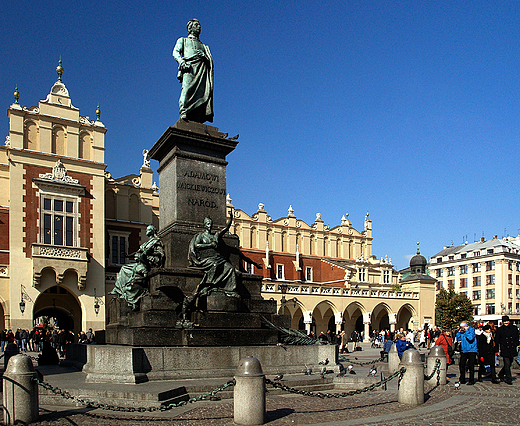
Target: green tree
<point>452,308</point>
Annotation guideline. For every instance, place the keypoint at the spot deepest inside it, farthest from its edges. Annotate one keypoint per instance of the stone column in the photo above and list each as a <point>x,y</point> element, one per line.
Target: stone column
<point>367,320</point>
<point>436,353</point>
<point>249,393</point>
<point>20,391</point>
<point>411,388</point>
<point>338,319</point>
<point>392,319</point>
<point>307,320</point>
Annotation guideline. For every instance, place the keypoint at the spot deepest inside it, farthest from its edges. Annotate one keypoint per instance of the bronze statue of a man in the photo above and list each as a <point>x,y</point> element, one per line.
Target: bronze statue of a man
<point>196,75</point>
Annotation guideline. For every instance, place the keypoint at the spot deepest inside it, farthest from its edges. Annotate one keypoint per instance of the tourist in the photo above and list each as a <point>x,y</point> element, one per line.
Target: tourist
<point>386,348</point>
<point>23,340</point>
<point>422,339</point>
<point>507,340</point>
<point>90,336</point>
<point>445,341</point>
<point>486,353</point>
<point>402,344</point>
<point>354,337</point>
<point>468,343</point>
<point>3,339</point>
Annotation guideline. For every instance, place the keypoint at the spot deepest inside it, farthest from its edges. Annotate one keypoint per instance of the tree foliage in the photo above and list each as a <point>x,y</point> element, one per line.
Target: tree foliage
<point>452,308</point>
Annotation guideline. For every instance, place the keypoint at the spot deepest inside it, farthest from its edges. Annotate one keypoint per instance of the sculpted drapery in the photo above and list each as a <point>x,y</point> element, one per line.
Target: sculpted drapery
<point>196,75</point>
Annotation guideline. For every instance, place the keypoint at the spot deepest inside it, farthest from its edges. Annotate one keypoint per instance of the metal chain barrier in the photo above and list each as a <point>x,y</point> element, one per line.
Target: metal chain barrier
<point>322,395</point>
<point>436,369</point>
<point>362,363</point>
<point>93,404</point>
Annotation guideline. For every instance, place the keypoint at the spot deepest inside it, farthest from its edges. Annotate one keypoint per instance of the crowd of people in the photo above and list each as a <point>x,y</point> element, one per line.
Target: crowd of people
<point>34,340</point>
<point>478,346</point>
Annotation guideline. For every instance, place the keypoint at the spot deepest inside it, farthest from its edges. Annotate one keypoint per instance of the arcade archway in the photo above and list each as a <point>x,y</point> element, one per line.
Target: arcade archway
<point>60,308</point>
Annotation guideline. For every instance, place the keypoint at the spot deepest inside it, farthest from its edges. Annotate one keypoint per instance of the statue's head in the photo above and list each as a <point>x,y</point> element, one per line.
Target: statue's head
<point>151,230</point>
<point>208,223</point>
<point>193,26</point>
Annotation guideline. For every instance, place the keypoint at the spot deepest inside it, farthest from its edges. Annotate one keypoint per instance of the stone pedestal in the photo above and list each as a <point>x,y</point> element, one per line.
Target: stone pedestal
<point>192,181</point>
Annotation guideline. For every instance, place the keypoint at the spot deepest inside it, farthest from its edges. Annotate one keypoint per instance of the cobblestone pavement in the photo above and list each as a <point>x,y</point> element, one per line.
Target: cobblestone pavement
<point>478,405</point>
<point>482,404</point>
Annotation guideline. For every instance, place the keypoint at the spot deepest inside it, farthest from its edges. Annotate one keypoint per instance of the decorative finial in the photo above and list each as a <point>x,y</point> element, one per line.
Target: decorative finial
<point>98,112</point>
<point>291,210</point>
<point>16,94</point>
<point>366,217</point>
<point>59,69</point>
<point>418,251</point>
<point>347,215</point>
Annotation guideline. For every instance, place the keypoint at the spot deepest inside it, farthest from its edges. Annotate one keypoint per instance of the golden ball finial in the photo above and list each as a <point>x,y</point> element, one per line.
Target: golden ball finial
<point>59,70</point>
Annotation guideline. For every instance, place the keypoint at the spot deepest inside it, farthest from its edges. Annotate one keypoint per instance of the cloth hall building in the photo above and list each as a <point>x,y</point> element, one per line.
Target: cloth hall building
<point>67,226</point>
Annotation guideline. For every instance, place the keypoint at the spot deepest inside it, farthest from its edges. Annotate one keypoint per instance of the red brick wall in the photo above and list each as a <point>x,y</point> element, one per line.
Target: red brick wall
<point>31,208</point>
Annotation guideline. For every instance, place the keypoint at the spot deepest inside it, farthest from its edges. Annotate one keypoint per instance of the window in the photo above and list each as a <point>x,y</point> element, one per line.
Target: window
<point>477,281</point>
<point>490,251</point>
<point>249,267</point>
<point>465,293</point>
<point>476,253</point>
<point>451,284</point>
<point>490,279</point>
<point>476,294</point>
<point>438,286</point>
<point>308,273</point>
<point>386,277</point>
<point>510,265</point>
<point>490,293</point>
<point>490,309</point>
<point>490,265</point>
<point>518,266</point>
<point>439,272</point>
<point>463,282</point>
<point>451,270</point>
<point>464,269</point>
<point>476,267</point>
<point>477,309</point>
<point>463,256</point>
<point>362,274</point>
<point>509,293</point>
<point>451,257</point>
<point>59,221</point>
<point>280,275</point>
<point>439,259</point>
<point>118,247</point>
<point>510,278</point>
<point>517,279</point>
<point>518,293</point>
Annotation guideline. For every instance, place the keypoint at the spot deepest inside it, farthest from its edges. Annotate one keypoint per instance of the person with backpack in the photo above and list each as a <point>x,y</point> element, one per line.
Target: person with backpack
<point>468,345</point>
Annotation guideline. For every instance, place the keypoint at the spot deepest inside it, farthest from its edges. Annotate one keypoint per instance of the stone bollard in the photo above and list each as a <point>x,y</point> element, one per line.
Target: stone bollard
<point>436,353</point>
<point>249,393</point>
<point>20,391</point>
<point>10,350</point>
<point>393,360</point>
<point>411,388</point>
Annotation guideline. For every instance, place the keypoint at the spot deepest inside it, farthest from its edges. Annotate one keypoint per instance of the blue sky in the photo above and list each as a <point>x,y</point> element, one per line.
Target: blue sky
<point>407,109</point>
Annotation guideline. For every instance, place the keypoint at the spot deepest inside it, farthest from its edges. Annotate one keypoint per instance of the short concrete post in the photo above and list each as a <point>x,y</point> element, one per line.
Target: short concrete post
<point>393,359</point>
<point>411,388</point>
<point>20,391</point>
<point>249,393</point>
<point>436,353</point>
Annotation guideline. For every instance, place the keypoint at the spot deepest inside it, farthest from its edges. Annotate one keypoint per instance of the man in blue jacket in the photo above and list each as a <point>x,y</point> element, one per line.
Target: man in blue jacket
<point>468,347</point>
